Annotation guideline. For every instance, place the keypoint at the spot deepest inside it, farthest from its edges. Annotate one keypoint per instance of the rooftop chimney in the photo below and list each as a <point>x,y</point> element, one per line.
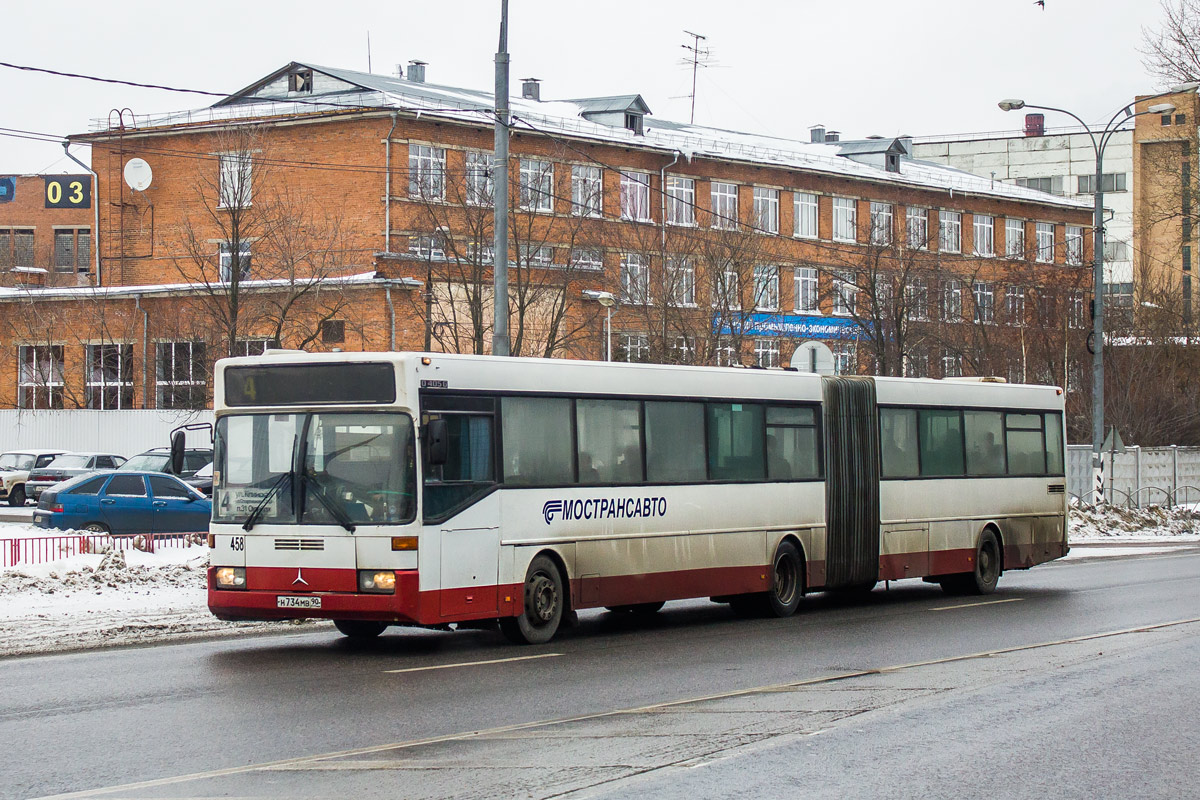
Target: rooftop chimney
<point>833,136</point>
<point>817,133</point>
<point>1035,124</point>
<point>531,88</point>
<point>416,71</point>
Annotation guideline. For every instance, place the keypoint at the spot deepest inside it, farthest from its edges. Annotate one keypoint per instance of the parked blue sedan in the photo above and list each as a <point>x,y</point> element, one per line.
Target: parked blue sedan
<point>122,503</point>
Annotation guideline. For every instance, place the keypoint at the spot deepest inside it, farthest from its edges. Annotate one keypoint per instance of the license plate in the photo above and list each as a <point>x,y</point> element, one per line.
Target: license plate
<point>297,602</point>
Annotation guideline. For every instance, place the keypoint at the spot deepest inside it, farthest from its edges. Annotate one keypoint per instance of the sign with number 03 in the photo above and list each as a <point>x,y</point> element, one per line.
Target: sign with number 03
<point>69,191</point>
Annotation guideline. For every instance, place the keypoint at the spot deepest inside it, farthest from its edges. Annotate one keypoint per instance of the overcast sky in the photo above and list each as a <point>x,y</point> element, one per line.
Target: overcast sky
<point>920,67</point>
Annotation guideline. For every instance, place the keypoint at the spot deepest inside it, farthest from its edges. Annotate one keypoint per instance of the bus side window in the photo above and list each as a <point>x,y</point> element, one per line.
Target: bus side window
<point>1025,443</point>
<point>610,441</point>
<point>941,442</point>
<point>1054,444</point>
<point>735,442</point>
<point>674,442</point>
<point>537,441</point>
<point>985,442</point>
<point>791,444</point>
<point>468,470</point>
<point>898,441</point>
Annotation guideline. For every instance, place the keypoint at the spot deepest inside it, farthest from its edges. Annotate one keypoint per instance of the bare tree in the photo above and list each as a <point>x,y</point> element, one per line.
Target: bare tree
<point>1171,52</point>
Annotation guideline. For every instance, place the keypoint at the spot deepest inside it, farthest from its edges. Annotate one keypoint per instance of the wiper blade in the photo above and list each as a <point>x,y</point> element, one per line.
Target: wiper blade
<point>262,504</point>
<point>332,506</point>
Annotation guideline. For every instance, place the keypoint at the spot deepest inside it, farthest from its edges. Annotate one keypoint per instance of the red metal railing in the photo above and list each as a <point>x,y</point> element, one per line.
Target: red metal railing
<point>42,549</point>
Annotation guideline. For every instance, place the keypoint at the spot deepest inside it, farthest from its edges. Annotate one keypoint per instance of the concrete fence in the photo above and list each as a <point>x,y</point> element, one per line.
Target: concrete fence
<point>123,432</point>
<point>1140,476</point>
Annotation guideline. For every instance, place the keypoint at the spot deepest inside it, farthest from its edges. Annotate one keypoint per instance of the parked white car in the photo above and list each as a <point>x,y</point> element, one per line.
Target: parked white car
<point>15,467</point>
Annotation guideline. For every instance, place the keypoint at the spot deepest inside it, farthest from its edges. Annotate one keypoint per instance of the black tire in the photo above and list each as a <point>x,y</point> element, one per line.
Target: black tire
<point>544,605</point>
<point>637,609</point>
<point>359,629</point>
<point>96,527</point>
<point>983,579</point>
<point>17,496</point>
<point>787,587</point>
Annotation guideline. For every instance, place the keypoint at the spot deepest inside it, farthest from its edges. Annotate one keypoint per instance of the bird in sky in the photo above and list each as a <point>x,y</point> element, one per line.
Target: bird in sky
<point>1041,3</point>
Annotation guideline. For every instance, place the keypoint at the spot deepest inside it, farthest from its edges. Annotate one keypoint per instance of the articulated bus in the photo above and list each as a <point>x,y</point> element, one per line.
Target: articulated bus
<point>425,489</point>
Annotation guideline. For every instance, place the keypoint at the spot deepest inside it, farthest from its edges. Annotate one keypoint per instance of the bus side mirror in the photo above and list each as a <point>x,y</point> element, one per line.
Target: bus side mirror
<point>178,443</point>
<point>437,441</point>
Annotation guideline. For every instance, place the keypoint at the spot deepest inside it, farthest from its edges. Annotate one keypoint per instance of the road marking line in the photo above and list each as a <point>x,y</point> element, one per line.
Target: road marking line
<point>472,663</point>
<point>468,735</point>
<point>980,603</point>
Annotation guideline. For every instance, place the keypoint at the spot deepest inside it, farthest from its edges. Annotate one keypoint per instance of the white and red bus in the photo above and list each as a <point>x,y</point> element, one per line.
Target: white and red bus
<point>379,489</point>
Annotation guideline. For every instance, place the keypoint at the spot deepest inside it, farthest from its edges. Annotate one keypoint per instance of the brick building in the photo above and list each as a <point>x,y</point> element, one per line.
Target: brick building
<point>328,208</point>
<point>45,229</point>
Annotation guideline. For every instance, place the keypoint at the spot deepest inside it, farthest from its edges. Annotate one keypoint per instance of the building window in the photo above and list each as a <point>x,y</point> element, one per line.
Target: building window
<point>228,259</point>
<point>951,364</point>
<point>72,250</point>
<point>985,302</point>
<point>683,350</point>
<point>1014,301</point>
<point>766,288</point>
<point>724,205</point>
<point>587,191</point>
<point>429,246</point>
<point>681,200</point>
<point>1045,242</point>
<point>536,255</point>
<point>727,290</point>
<point>1116,250</point>
<point>635,196</point>
<point>681,282</point>
<point>881,224</point>
<point>1076,310</point>
<point>1110,182</point>
<point>182,371</point>
<point>845,219</point>
<point>952,301</point>
<point>985,231</point>
<point>110,376</point>
<point>916,297</point>
<point>1074,245</point>
<point>633,347</point>
<point>252,347</point>
<point>234,183</point>
<point>950,231</point>
<point>1118,301</point>
<point>916,364</point>
<point>1014,238</point>
<point>588,258</point>
<point>635,279</point>
<point>804,222</point>
<point>426,172</point>
<point>16,247</point>
<point>766,352</point>
<point>481,185</point>
<point>333,331</point>
<point>805,286</point>
<point>40,380</point>
<point>1049,185</point>
<point>845,293</point>
<point>766,209</point>
<point>845,358</point>
<point>917,223</point>
<point>536,185</point>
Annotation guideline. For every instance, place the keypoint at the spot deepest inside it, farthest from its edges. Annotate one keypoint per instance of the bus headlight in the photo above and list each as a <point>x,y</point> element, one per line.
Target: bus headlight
<point>378,581</point>
<point>231,577</point>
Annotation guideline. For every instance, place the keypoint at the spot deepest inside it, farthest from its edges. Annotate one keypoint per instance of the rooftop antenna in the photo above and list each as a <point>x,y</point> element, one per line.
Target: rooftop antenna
<point>369,52</point>
<point>697,51</point>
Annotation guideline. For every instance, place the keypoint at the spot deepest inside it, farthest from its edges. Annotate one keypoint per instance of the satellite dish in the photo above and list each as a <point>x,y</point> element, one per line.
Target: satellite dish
<point>138,175</point>
<point>813,357</point>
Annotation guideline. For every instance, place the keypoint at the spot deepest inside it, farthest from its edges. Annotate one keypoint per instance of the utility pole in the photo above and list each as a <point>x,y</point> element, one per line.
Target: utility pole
<point>694,47</point>
<point>500,343</point>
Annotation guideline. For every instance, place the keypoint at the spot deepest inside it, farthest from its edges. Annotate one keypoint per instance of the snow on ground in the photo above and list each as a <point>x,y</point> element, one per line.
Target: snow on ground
<point>128,596</point>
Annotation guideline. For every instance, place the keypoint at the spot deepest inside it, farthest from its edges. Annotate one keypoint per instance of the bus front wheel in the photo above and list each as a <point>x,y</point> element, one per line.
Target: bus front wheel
<point>544,602</point>
<point>787,587</point>
<point>359,629</point>
<point>983,579</point>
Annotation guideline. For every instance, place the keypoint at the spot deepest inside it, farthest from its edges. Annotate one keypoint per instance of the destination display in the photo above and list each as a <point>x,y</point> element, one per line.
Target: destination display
<point>307,384</point>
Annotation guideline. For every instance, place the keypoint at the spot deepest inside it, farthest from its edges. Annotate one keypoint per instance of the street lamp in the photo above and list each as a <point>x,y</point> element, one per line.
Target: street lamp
<point>1099,146</point>
<point>609,301</point>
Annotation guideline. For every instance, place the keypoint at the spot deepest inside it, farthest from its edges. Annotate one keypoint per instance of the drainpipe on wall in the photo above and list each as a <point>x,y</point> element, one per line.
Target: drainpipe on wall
<point>391,317</point>
<point>662,193</point>
<point>387,200</point>
<point>137,303</point>
<point>95,208</point>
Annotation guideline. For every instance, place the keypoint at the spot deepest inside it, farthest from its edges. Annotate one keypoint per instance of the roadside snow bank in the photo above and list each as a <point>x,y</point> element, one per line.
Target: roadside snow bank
<point>116,598</point>
<point>1116,524</point>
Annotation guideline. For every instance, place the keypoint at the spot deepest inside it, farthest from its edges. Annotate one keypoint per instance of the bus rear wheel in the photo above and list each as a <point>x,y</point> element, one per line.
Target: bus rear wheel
<point>787,587</point>
<point>544,601</point>
<point>359,629</point>
<point>983,579</point>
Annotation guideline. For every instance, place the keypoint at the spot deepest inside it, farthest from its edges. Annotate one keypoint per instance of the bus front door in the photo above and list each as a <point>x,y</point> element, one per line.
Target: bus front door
<point>851,438</point>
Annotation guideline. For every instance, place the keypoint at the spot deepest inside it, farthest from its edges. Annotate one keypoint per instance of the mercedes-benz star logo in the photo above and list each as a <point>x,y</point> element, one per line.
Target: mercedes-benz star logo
<point>299,578</point>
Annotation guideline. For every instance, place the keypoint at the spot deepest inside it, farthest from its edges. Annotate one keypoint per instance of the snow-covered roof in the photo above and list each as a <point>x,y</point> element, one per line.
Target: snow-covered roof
<point>620,102</point>
<point>339,90</point>
<point>141,290</point>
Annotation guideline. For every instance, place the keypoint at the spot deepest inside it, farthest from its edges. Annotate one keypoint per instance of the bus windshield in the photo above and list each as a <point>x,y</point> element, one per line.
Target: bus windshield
<point>315,469</point>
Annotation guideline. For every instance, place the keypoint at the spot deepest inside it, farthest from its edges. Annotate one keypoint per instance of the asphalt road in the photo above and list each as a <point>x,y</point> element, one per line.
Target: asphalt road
<point>903,692</point>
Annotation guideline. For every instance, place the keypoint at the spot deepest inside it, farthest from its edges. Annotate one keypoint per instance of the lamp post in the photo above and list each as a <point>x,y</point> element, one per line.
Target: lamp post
<point>1099,145</point>
<point>609,301</point>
